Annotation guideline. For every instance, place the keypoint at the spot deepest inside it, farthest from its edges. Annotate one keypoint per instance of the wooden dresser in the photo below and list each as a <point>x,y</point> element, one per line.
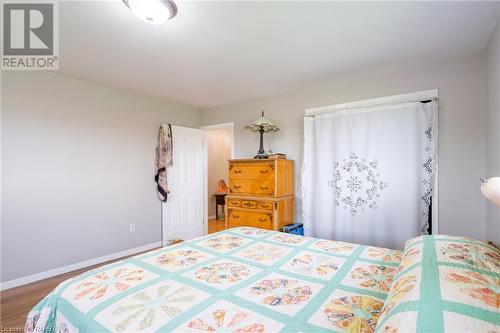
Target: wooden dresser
<point>260,193</point>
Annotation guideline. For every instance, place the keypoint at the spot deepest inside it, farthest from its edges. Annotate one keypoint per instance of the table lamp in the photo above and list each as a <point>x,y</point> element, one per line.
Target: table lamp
<point>262,125</point>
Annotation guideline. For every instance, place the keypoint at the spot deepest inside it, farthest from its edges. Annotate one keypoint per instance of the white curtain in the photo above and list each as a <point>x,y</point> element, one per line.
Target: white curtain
<point>368,173</point>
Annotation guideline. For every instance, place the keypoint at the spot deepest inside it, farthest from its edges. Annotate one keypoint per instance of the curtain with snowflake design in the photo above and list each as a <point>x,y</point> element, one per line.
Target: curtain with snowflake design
<point>368,173</point>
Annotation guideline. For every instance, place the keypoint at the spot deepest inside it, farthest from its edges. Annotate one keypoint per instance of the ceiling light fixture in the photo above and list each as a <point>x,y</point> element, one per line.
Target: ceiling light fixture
<point>152,11</point>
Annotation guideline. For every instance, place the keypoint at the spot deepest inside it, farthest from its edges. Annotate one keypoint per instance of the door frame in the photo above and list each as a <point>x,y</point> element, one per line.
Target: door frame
<point>222,125</point>
<point>206,128</point>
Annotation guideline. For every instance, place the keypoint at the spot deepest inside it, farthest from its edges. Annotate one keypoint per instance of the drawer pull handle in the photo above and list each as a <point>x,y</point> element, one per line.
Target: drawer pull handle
<point>262,220</point>
<point>237,171</point>
<point>248,204</point>
<point>235,216</point>
<point>234,202</point>
<point>264,171</point>
<point>265,205</point>
<point>263,187</point>
<point>237,186</point>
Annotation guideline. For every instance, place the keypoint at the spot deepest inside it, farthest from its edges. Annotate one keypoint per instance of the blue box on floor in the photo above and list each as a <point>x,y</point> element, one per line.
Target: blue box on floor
<point>296,229</point>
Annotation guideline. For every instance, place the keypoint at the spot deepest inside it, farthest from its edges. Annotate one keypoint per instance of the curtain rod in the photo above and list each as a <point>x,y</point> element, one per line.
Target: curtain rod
<point>367,105</point>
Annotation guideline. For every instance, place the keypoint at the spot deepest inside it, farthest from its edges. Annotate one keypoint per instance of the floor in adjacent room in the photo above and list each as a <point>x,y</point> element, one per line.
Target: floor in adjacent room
<point>216,225</point>
<point>219,225</point>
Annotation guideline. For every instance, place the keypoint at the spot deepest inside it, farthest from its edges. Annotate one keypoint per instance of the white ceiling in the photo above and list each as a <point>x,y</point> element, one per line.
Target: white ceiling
<point>217,52</point>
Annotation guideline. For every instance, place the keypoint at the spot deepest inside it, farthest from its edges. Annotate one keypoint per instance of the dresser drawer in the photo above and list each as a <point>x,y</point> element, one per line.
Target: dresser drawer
<point>251,171</point>
<point>236,217</point>
<point>267,205</point>
<point>233,203</point>
<point>253,187</point>
<point>240,186</point>
<point>260,220</point>
<point>262,171</point>
<point>238,171</point>
<point>248,204</point>
<point>263,187</point>
<point>248,218</point>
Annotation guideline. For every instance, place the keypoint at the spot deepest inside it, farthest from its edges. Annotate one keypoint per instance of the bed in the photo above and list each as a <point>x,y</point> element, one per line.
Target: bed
<point>253,280</point>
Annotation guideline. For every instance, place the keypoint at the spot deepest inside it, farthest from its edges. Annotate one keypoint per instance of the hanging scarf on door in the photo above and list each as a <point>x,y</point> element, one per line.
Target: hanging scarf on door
<point>163,160</point>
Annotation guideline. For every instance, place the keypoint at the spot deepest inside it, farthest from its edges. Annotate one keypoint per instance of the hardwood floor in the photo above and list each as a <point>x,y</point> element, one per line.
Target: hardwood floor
<point>15,303</point>
<point>218,225</point>
<point>215,226</point>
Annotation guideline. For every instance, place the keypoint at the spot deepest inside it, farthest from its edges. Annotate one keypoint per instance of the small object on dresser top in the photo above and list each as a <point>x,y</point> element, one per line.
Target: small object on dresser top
<point>276,156</point>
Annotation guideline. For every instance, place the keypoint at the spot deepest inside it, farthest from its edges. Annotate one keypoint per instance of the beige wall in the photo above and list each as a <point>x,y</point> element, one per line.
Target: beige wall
<point>218,151</point>
<point>493,128</point>
<point>77,169</point>
<point>462,123</point>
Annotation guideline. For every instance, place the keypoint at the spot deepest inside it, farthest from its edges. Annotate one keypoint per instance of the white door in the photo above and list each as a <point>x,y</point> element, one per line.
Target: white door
<point>184,214</point>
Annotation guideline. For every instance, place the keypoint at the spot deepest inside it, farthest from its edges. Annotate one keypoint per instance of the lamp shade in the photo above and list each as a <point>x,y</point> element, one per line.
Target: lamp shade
<point>491,189</point>
<point>262,123</point>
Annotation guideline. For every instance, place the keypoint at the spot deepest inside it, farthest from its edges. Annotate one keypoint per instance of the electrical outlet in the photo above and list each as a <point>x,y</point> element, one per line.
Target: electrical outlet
<point>131,227</point>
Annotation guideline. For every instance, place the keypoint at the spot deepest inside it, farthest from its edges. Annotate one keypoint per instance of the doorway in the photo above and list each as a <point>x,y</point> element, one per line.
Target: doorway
<point>219,141</point>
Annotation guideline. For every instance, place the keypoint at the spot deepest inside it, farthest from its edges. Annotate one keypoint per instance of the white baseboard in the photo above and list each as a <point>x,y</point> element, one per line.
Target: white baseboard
<point>211,217</point>
<point>82,264</point>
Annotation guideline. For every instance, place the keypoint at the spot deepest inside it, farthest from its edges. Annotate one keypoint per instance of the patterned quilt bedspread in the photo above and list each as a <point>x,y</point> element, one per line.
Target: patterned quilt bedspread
<point>444,284</point>
<point>249,280</point>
